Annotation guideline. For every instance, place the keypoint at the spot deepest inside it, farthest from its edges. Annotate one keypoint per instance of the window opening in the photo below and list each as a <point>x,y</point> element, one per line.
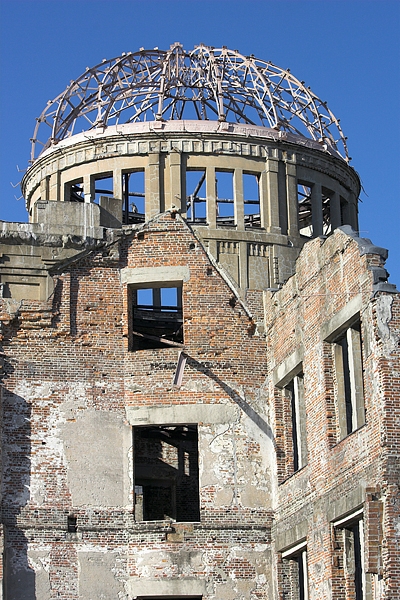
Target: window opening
<point>133,193</point>
<point>103,186</point>
<point>166,472</point>
<point>196,204</point>
<point>157,318</point>
<point>326,211</point>
<point>295,572</point>
<point>349,380</point>
<point>295,392</point>
<point>349,543</point>
<point>76,192</point>
<point>72,524</point>
<point>304,207</point>
<point>251,198</point>
<point>224,198</point>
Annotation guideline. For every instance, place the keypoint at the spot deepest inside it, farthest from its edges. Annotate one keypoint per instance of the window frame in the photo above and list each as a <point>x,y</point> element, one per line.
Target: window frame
<point>349,385</point>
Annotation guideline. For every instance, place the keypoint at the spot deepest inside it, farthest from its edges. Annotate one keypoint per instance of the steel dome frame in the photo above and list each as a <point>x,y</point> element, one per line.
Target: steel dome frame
<point>211,83</point>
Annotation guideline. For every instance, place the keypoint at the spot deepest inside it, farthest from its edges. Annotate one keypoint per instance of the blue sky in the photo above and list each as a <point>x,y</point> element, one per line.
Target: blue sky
<point>347,51</point>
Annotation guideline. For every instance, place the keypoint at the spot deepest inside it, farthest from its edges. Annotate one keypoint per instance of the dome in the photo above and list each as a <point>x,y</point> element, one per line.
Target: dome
<point>205,83</point>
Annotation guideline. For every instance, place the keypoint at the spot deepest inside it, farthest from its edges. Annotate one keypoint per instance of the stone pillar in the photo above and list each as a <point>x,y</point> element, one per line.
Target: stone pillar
<point>89,188</point>
<point>152,186</point>
<point>54,186</point>
<point>334,211</point>
<point>263,194</point>
<point>243,270</point>
<point>117,183</point>
<point>210,195</point>
<point>238,198</point>
<point>272,214</point>
<point>175,181</point>
<point>291,198</point>
<point>316,209</point>
<point>353,211</point>
<point>44,188</point>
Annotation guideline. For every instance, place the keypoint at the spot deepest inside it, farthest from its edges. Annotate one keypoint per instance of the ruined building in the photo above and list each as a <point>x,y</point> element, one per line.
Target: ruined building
<point>199,353</point>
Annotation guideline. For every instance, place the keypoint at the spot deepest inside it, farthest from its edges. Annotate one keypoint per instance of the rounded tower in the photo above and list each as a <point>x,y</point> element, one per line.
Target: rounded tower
<point>248,155</point>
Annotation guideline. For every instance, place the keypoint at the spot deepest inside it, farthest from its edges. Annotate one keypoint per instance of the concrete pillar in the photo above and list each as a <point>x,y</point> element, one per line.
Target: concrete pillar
<point>243,270</point>
<point>292,201</point>
<point>263,195</point>
<point>44,188</point>
<point>210,195</point>
<point>54,186</point>
<point>152,186</point>
<point>89,188</point>
<point>316,209</point>
<point>117,183</point>
<point>335,215</point>
<point>175,181</point>
<point>272,215</point>
<point>238,198</point>
<point>353,211</point>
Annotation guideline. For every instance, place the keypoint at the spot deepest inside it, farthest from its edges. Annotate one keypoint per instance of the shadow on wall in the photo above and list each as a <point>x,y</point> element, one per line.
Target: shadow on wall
<point>19,577</point>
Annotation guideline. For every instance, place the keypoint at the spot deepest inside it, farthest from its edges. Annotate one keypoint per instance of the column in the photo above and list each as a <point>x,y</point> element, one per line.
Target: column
<point>335,216</point>
<point>210,194</point>
<point>238,198</point>
<point>316,209</point>
<point>175,181</point>
<point>89,188</point>
<point>152,186</point>
<point>292,201</point>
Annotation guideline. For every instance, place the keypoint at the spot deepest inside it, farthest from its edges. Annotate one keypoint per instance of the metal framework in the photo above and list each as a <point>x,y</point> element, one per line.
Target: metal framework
<point>204,84</point>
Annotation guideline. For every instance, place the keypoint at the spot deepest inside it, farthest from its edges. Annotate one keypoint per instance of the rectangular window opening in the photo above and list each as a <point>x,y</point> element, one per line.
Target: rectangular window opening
<point>133,193</point>
<point>349,543</point>
<point>76,191</point>
<point>196,203</point>
<point>304,207</point>
<point>157,317</point>
<point>295,573</point>
<point>224,198</point>
<point>103,186</point>
<point>349,380</point>
<point>251,199</point>
<point>166,473</point>
<point>294,391</point>
<point>326,211</point>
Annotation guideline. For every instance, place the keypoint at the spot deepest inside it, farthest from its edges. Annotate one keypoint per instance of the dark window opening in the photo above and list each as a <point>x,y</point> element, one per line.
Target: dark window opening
<point>76,192</point>
<point>294,392</point>
<point>166,472</point>
<point>196,203</point>
<point>343,343</point>
<point>295,576</point>
<point>326,211</point>
<point>304,207</point>
<point>251,199</point>
<point>133,193</point>
<point>72,524</point>
<point>157,317</point>
<point>349,380</point>
<point>305,214</point>
<point>224,198</point>
<point>349,544</point>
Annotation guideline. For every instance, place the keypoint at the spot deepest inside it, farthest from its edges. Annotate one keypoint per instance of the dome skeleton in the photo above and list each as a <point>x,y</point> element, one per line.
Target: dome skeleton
<point>204,84</point>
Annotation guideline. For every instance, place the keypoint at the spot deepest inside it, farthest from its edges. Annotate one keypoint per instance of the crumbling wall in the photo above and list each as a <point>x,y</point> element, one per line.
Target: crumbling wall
<point>334,286</point>
<point>74,393</point>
